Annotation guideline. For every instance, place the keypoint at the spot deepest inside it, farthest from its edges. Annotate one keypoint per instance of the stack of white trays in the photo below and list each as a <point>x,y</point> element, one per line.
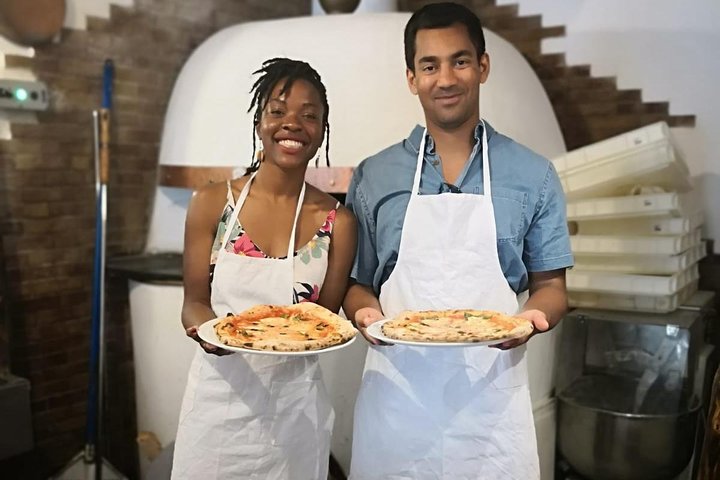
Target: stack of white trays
<point>635,223</point>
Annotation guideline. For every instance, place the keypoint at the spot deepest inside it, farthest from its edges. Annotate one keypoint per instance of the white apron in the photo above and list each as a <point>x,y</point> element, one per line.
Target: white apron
<point>445,413</point>
<point>252,416</point>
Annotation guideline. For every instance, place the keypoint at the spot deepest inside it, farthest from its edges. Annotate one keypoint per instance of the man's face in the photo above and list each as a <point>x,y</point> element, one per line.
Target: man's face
<point>447,76</point>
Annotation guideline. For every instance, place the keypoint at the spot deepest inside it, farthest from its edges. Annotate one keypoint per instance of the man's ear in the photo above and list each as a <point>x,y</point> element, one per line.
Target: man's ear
<point>484,62</point>
<point>411,81</point>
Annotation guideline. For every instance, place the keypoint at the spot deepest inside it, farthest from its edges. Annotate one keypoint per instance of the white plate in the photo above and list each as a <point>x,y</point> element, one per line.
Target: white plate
<point>375,331</point>
<point>206,331</point>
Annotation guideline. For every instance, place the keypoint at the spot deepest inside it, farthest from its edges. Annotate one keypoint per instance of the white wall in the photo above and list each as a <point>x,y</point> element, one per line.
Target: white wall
<point>670,50</point>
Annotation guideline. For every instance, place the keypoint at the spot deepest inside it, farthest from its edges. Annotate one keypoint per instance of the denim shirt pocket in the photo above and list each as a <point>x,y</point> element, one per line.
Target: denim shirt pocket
<point>510,210</point>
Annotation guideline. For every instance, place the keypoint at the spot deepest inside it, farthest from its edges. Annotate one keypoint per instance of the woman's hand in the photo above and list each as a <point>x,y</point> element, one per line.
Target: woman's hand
<point>192,332</point>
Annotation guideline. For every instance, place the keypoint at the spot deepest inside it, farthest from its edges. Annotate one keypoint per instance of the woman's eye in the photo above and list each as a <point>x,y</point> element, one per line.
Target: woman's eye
<point>310,116</point>
<point>275,111</point>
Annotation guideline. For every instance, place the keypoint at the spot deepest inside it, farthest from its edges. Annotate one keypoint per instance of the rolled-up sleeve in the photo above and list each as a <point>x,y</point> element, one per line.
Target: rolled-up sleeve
<point>366,259</point>
<point>547,242</point>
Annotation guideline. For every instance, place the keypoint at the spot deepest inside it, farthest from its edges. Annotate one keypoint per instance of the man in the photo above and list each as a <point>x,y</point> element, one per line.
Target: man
<point>455,216</point>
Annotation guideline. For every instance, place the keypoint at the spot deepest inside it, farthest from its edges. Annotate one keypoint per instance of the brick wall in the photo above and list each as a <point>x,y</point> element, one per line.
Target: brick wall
<point>47,208</point>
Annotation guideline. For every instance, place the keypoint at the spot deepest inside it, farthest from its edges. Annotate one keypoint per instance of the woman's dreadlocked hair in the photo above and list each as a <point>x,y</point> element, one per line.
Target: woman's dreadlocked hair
<point>272,72</point>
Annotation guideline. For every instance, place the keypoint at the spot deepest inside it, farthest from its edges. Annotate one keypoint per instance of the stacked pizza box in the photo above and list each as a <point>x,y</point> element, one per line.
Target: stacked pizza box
<point>635,223</point>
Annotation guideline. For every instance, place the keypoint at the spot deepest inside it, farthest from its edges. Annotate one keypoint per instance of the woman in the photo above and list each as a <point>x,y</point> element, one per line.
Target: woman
<point>277,241</point>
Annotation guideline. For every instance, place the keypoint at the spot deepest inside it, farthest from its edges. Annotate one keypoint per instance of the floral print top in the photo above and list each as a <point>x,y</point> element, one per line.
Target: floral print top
<point>311,259</point>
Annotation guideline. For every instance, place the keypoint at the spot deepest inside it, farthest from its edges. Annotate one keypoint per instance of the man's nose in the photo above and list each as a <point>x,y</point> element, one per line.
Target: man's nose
<point>447,76</point>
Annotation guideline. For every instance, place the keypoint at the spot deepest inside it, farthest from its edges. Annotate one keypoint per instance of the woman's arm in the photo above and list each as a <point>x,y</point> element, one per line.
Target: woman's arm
<point>200,226</point>
<point>340,260</point>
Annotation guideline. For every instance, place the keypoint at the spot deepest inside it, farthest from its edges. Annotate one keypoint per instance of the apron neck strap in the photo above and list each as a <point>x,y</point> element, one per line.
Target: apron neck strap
<point>239,204</point>
<point>291,245</point>
<point>418,170</point>
<point>485,163</point>
<point>236,210</point>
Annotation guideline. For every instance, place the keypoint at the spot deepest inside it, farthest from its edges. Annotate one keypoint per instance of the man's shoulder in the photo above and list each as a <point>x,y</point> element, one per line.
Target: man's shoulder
<point>520,159</point>
<point>522,155</point>
<point>388,161</point>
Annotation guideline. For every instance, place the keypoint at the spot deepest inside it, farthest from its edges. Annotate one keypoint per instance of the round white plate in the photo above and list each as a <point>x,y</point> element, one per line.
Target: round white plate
<point>206,331</point>
<point>375,331</point>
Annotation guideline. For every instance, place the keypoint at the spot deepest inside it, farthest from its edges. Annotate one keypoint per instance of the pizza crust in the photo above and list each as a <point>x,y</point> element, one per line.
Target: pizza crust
<point>455,326</point>
<point>297,328</point>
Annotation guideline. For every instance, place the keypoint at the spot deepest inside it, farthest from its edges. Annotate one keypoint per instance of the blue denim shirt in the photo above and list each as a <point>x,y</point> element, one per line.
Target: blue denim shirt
<point>527,196</point>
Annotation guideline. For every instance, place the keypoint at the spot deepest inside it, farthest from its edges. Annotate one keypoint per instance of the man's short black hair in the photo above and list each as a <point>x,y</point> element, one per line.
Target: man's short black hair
<point>442,15</point>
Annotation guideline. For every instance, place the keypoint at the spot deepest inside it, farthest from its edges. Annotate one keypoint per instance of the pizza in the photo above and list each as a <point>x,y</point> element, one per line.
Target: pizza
<point>461,326</point>
<point>300,327</point>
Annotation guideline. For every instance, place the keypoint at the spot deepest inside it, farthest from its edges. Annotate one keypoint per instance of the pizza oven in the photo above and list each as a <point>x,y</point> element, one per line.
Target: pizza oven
<point>630,387</point>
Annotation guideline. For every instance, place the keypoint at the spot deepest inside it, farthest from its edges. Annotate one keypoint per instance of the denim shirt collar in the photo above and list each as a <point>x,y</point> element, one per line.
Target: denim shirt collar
<point>413,140</point>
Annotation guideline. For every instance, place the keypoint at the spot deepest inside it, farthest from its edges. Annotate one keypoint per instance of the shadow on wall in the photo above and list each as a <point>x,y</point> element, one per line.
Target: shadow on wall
<point>708,185</point>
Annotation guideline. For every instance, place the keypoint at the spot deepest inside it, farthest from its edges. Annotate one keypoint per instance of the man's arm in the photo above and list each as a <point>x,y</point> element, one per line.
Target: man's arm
<point>548,295</point>
<point>546,306</point>
<point>362,307</point>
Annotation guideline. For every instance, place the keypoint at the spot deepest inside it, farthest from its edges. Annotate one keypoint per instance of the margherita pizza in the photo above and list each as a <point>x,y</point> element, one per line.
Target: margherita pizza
<point>295,328</point>
<point>461,326</point>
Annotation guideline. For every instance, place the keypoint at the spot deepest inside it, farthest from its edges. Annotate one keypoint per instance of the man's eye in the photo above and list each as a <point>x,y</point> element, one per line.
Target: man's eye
<point>428,68</point>
<point>462,63</point>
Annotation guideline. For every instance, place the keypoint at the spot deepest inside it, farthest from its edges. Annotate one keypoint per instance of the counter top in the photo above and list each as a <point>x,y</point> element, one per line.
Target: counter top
<point>148,267</point>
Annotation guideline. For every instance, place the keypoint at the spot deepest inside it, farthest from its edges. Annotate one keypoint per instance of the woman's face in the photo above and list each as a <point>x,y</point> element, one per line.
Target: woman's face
<point>291,125</point>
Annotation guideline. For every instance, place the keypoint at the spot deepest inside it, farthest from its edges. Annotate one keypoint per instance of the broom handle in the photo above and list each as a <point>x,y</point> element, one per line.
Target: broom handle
<point>104,145</point>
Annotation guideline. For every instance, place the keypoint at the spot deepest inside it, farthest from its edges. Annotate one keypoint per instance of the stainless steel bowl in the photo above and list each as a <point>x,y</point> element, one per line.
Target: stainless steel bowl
<point>603,444</point>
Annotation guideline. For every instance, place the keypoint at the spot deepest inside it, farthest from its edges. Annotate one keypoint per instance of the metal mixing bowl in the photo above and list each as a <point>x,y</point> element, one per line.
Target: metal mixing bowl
<point>606,443</point>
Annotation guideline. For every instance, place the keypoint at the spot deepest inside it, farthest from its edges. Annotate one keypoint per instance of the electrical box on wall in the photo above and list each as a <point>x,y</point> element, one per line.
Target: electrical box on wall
<point>23,95</point>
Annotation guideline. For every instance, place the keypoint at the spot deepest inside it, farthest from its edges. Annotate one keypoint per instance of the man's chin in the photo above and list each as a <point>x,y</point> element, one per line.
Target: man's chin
<point>451,123</point>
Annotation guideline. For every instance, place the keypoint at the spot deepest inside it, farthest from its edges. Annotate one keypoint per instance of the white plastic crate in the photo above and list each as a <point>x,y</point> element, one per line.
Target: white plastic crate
<point>633,303</point>
<point>642,264</point>
<point>633,245</point>
<point>618,145</point>
<point>645,156</point>
<point>622,283</point>
<point>641,226</point>
<point>628,206</point>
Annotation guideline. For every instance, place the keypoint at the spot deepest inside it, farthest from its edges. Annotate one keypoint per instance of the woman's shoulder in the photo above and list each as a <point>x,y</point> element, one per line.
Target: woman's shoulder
<point>324,202</point>
<point>211,200</point>
<point>217,192</point>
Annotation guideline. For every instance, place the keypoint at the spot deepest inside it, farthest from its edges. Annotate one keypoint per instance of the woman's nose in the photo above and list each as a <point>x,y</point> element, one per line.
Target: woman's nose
<point>291,122</point>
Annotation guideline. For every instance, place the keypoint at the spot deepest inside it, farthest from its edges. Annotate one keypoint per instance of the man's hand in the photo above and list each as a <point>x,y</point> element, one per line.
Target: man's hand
<point>192,332</point>
<point>366,317</point>
<point>540,324</point>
